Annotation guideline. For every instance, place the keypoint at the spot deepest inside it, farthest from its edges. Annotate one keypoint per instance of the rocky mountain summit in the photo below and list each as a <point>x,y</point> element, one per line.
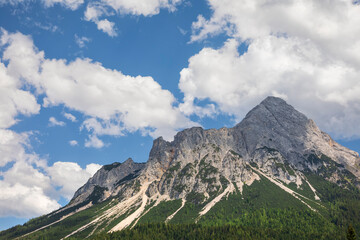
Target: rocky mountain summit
<point>106,179</point>
<point>274,144</point>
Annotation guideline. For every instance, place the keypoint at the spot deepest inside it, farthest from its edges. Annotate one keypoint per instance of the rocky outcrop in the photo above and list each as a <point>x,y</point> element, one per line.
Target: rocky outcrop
<point>273,136</point>
<point>274,143</point>
<point>275,124</point>
<point>107,178</point>
<point>273,140</point>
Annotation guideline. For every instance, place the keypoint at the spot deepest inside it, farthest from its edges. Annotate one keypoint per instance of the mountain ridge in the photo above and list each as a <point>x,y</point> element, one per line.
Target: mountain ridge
<point>274,146</point>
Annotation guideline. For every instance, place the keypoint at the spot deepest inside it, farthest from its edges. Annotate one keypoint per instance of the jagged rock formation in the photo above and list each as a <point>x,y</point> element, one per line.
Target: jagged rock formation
<point>274,142</point>
<point>106,179</point>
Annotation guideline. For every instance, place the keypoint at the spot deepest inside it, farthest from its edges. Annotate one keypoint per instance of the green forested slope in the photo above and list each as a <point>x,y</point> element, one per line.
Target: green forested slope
<point>261,211</point>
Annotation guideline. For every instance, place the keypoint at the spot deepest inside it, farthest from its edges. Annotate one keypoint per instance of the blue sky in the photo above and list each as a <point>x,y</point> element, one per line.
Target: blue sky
<point>87,83</point>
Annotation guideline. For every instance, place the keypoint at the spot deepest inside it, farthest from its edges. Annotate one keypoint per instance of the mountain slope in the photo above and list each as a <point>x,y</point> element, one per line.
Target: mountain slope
<point>274,160</point>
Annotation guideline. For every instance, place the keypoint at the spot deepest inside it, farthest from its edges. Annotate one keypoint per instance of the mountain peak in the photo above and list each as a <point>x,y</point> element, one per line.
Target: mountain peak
<point>276,124</point>
<point>272,100</point>
<point>275,146</point>
<point>128,161</point>
<point>275,114</point>
<point>278,109</point>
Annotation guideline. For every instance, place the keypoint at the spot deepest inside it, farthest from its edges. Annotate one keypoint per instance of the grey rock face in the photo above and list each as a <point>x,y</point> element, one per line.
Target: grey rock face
<point>274,138</point>
<point>274,124</point>
<point>107,178</point>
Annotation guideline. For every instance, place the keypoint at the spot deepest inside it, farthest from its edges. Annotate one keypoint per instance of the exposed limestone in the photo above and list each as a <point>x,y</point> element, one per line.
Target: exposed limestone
<point>108,177</point>
<point>183,201</point>
<point>273,141</point>
<point>208,206</point>
<point>273,138</point>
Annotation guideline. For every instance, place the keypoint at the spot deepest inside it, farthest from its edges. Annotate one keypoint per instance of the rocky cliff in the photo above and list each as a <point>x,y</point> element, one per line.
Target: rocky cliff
<point>274,143</point>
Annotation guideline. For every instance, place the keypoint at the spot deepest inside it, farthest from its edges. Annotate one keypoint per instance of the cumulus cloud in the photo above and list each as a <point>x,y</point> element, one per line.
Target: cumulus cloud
<point>102,128</point>
<point>70,176</point>
<point>293,52</point>
<point>107,27</point>
<point>23,58</point>
<point>293,69</point>
<point>30,187</point>
<point>94,142</point>
<point>73,142</point>
<point>109,96</point>
<point>328,25</point>
<point>137,102</point>
<point>95,10</point>
<point>53,122</point>
<point>70,117</point>
<point>23,201</point>
<point>11,146</point>
<point>29,191</point>
<point>14,100</point>
<point>92,168</point>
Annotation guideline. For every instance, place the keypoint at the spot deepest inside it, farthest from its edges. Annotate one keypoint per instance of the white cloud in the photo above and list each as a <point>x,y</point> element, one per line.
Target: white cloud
<point>327,24</point>
<point>134,103</point>
<point>23,201</point>
<point>107,27</point>
<point>304,51</point>
<point>70,117</point>
<point>11,146</point>
<point>292,68</point>
<point>25,191</point>
<point>102,128</point>
<point>81,41</point>
<point>53,122</point>
<point>23,58</point>
<point>28,191</point>
<point>70,176</point>
<point>30,187</point>
<point>95,10</point>
<point>94,142</point>
<point>92,168</point>
<point>72,4</point>
<point>141,7</point>
<point>73,143</point>
<point>14,100</point>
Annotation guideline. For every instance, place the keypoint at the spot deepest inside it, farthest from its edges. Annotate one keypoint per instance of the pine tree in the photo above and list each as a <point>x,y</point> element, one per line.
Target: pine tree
<point>351,235</point>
